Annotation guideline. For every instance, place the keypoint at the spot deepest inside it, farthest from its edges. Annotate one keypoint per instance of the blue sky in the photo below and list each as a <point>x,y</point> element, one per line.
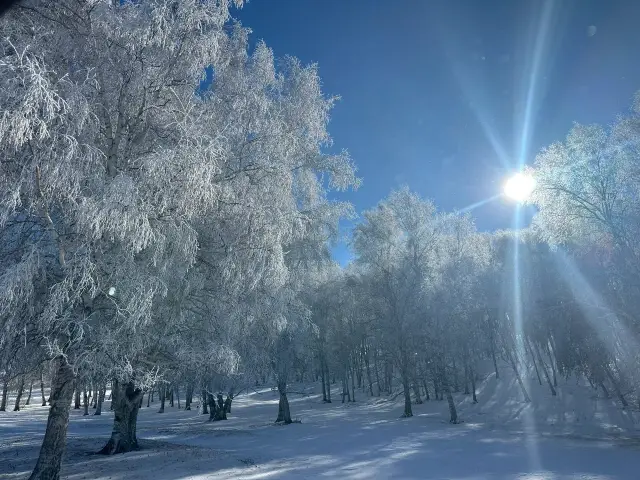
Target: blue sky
<point>436,94</point>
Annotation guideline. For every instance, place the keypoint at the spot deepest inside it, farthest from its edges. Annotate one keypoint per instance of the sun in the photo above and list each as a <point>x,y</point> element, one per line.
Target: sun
<point>519,187</point>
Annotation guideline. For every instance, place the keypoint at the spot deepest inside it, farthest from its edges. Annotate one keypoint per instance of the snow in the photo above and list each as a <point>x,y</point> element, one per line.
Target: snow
<point>500,438</point>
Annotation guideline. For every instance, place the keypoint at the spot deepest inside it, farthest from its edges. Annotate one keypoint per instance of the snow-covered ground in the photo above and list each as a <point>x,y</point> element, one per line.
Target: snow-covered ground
<point>500,438</point>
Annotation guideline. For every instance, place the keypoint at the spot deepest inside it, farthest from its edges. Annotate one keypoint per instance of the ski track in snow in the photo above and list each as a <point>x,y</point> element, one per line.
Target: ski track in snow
<point>347,441</point>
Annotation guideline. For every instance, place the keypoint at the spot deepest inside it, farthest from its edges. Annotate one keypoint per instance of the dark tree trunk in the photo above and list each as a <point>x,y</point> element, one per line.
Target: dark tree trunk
<point>101,393</point>
<point>222,411</point>
<point>533,357</point>
<point>178,395</point>
<point>456,386</point>
<point>217,410</point>
<point>544,370</point>
<point>426,388</point>
<point>16,407</point>
<point>227,404</point>
<point>170,396</point>
<point>284,414</point>
<point>512,360</point>
<point>44,399</point>
<point>493,357</point>
<point>212,407</point>
<point>86,402</point>
<point>50,457</point>
<point>375,367</point>
<point>76,398</point>
<point>328,383</point>
<point>29,396</point>
<point>452,406</point>
<point>616,387</point>
<point>407,396</point>
<point>472,374</point>
<point>466,378</point>
<point>324,387</point>
<point>368,368</point>
<point>162,394</point>
<point>5,392</point>
<point>353,386</point>
<point>345,387</point>
<point>187,400</point>
<point>416,391</point>
<point>204,402</point>
<point>149,395</point>
<point>126,400</point>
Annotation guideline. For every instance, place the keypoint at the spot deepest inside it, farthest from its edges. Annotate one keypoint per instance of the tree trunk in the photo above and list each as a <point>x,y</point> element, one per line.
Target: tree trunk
<point>187,400</point>
<point>553,366</point>
<point>529,349</point>
<point>544,370</point>
<point>212,407</point>
<point>149,395</point>
<point>222,411</point>
<point>101,393</point>
<point>493,357</point>
<point>44,399</point>
<point>604,390</point>
<point>126,400</point>
<point>29,396</point>
<point>5,393</point>
<point>204,402</point>
<point>368,368</point>
<point>178,395</point>
<point>472,374</point>
<point>345,390</point>
<point>86,402</point>
<point>162,394</point>
<point>324,387</point>
<point>456,385</point>
<point>388,370</point>
<point>518,377</point>
<point>284,414</point>
<point>452,406</point>
<point>76,398</point>
<point>426,389</point>
<point>375,367</point>
<point>171,396</point>
<point>416,391</point>
<point>353,386</point>
<point>227,404</point>
<point>466,378</point>
<point>50,457</point>
<point>16,407</point>
<point>328,384</point>
<point>407,396</point>
<point>616,387</point>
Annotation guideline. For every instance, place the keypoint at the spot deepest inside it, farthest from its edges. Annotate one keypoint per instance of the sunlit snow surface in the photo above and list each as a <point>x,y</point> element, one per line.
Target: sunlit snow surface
<point>351,441</point>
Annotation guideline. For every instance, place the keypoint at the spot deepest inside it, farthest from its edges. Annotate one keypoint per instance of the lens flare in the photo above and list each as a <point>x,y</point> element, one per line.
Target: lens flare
<point>519,187</point>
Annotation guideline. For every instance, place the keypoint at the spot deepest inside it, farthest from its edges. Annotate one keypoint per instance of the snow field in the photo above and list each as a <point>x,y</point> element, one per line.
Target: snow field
<point>573,436</point>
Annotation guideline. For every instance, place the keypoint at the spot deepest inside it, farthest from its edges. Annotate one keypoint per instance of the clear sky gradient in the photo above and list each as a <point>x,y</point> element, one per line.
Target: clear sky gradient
<point>449,96</point>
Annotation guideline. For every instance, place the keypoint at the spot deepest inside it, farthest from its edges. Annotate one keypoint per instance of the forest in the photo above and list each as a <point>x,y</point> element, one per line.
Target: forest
<point>167,211</point>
